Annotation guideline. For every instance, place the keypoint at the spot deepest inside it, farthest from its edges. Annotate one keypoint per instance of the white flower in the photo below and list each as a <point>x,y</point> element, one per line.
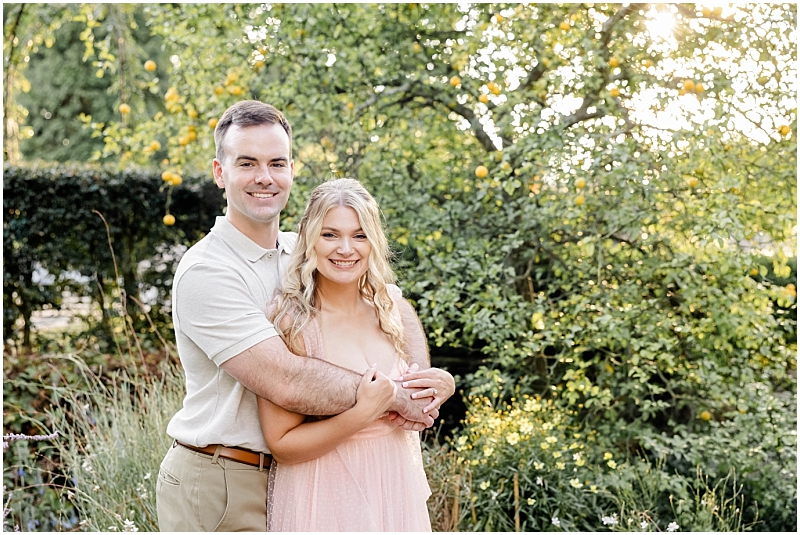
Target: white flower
<point>556,521</point>
<point>673,526</point>
<point>147,476</point>
<point>610,520</point>
<point>494,494</point>
<point>643,524</point>
<point>96,488</point>
<point>539,481</point>
<point>129,525</point>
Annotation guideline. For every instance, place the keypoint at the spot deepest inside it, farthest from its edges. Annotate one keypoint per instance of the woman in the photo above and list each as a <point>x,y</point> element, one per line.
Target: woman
<point>355,471</point>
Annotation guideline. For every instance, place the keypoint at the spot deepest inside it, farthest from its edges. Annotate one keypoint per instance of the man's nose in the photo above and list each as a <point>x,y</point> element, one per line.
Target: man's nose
<point>263,176</point>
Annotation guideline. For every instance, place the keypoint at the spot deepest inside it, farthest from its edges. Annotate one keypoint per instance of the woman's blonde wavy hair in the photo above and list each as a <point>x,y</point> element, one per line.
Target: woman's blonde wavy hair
<point>299,300</point>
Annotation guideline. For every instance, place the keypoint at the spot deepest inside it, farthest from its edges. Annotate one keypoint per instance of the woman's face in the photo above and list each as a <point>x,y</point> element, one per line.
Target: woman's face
<point>342,247</point>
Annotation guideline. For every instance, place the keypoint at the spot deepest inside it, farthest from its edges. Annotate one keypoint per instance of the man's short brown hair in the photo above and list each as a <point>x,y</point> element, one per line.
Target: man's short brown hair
<point>249,113</point>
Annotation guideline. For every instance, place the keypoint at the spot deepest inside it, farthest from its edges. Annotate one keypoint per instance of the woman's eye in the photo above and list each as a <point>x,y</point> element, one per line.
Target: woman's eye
<point>328,235</point>
<point>361,236</point>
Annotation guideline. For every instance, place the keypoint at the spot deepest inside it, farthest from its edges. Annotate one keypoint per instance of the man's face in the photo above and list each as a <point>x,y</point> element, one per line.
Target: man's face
<point>257,173</point>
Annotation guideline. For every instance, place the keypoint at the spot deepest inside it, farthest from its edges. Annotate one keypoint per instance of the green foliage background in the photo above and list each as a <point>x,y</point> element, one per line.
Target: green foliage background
<point>629,256</point>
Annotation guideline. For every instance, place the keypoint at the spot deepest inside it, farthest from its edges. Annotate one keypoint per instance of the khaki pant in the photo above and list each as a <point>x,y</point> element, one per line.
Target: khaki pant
<point>195,492</point>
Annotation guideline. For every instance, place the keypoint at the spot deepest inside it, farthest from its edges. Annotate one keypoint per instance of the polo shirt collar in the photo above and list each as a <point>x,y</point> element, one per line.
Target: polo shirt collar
<point>241,243</point>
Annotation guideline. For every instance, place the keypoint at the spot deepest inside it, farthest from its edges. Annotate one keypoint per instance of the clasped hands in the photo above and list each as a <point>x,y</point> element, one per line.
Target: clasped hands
<point>431,384</point>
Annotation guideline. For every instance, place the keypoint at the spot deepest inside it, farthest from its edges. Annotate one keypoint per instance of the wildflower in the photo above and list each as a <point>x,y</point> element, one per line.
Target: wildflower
<point>576,483</point>
<point>610,520</point>
<point>525,428</point>
<point>643,524</point>
<point>673,526</point>
<point>544,445</point>
<point>539,481</point>
<point>551,440</point>
<point>612,464</point>
<point>112,528</point>
<point>484,485</point>
<point>556,454</point>
<point>147,476</point>
<point>607,456</point>
<point>494,495</point>
<point>556,521</point>
<point>513,438</point>
<point>560,465</point>
<point>531,501</point>
<point>96,488</point>
<point>487,451</point>
<point>538,465</point>
<point>128,525</point>
<point>580,461</point>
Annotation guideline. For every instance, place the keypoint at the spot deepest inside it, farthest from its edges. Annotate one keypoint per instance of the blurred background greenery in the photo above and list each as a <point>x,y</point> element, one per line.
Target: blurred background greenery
<point>592,207</point>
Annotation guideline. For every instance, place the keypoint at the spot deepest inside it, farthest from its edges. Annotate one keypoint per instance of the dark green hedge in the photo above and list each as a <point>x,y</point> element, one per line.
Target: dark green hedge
<point>49,222</point>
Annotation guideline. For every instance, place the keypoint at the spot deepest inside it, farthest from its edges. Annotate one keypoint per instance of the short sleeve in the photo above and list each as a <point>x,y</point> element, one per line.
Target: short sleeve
<point>217,311</point>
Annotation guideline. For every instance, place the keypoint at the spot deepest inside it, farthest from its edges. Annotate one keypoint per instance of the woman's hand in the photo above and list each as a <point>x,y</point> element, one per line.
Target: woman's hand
<point>437,383</point>
<point>375,394</point>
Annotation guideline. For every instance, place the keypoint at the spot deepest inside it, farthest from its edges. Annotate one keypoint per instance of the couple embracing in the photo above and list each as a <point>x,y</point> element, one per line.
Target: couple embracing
<point>307,373</point>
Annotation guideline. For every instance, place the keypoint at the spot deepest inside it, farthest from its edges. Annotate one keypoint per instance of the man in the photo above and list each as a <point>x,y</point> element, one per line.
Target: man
<point>214,477</point>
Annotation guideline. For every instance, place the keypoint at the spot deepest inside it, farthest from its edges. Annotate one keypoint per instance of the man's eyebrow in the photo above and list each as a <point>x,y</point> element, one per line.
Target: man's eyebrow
<point>246,157</point>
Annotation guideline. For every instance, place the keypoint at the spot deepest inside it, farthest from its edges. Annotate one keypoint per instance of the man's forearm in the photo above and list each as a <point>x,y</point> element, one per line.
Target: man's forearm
<point>299,384</point>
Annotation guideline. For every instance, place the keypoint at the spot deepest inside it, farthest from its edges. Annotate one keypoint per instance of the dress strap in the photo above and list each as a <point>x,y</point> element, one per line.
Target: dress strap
<point>312,338</point>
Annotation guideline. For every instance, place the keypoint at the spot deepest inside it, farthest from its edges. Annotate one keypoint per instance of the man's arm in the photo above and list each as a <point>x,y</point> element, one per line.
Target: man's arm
<point>307,385</point>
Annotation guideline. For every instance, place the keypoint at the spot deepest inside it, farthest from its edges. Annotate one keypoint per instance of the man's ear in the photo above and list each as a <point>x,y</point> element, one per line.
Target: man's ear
<point>216,168</point>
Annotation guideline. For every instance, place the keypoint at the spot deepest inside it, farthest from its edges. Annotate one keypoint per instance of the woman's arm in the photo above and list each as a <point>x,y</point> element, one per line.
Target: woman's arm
<point>437,383</point>
<point>293,440</point>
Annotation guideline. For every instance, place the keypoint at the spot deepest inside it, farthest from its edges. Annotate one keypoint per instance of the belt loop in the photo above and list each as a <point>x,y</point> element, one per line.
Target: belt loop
<point>214,459</point>
<point>260,462</point>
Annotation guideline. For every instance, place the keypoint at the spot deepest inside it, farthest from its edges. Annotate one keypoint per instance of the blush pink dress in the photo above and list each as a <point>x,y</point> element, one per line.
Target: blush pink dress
<point>374,481</point>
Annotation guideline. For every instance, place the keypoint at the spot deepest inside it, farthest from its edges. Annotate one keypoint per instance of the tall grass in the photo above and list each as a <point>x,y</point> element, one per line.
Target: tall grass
<point>113,440</point>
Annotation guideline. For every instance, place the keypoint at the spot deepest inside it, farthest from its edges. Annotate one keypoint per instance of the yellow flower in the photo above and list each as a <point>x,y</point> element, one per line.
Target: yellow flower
<point>612,464</point>
<point>580,462</point>
<point>576,483</point>
<point>531,501</point>
<point>537,465</point>
<point>513,438</point>
<point>560,465</point>
<point>525,428</point>
<point>607,456</point>
<point>556,454</point>
<point>551,440</point>
<point>573,446</point>
<point>593,488</point>
<point>544,445</point>
<point>484,485</point>
<point>487,451</point>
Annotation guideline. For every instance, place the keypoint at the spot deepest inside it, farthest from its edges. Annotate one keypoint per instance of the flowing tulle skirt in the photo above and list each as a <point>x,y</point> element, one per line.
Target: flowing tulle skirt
<point>372,482</point>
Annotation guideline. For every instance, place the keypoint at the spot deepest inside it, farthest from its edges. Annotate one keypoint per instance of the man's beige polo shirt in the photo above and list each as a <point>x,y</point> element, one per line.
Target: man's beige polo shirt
<point>219,299</point>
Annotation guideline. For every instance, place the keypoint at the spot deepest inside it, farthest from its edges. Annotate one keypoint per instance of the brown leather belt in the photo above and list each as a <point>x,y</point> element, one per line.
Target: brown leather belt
<point>240,455</point>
